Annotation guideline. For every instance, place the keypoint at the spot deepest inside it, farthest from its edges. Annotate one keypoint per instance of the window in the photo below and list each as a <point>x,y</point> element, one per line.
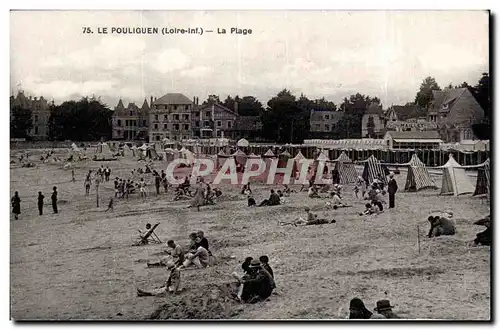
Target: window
<point>327,117</point>
<point>165,126</point>
<point>175,107</point>
<point>144,123</point>
<point>205,123</point>
<point>36,118</point>
<point>219,123</point>
<point>156,126</point>
<point>327,128</point>
<point>197,114</point>
<point>186,107</point>
<point>165,118</point>
<point>186,126</point>
<point>207,113</point>
<point>184,137</point>
<point>131,114</point>
<point>229,124</point>
<point>176,117</point>
<point>197,123</point>
<point>175,137</point>
<point>157,138</point>
<point>317,126</point>
<point>36,129</point>
<point>119,122</point>
<point>176,127</point>
<point>185,117</point>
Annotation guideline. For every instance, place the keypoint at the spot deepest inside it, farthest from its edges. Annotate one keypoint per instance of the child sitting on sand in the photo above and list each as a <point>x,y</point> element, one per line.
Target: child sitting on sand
<point>312,219</point>
<point>370,209</point>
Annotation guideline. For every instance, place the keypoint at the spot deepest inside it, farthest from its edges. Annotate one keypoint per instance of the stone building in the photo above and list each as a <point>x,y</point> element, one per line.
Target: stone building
<point>170,117</point>
<point>213,120</point>
<point>40,113</point>
<point>373,122</point>
<point>322,122</point>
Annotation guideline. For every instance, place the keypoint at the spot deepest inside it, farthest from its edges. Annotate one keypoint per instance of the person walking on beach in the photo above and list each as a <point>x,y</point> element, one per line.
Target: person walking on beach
<point>16,205</point>
<point>54,199</point>
<point>40,202</point>
<point>392,188</point>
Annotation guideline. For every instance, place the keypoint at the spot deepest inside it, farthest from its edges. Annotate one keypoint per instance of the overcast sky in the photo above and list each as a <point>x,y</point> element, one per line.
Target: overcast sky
<point>321,54</point>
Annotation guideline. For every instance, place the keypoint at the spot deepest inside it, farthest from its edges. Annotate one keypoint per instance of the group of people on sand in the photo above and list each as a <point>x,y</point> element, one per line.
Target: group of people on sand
<point>257,282</point>
<point>197,254</point>
<point>383,310</point>
<point>16,203</point>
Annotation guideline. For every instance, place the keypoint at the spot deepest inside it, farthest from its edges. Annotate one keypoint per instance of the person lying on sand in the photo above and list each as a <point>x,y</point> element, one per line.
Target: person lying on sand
<point>370,209</point>
<point>440,226</point>
<point>312,219</point>
<point>172,285</point>
<point>313,192</point>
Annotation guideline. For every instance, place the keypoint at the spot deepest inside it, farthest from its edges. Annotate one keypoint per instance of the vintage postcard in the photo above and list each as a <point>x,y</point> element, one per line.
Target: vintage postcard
<point>250,165</point>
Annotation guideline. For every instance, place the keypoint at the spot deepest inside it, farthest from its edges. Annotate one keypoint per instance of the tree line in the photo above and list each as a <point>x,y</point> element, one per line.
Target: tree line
<point>285,118</point>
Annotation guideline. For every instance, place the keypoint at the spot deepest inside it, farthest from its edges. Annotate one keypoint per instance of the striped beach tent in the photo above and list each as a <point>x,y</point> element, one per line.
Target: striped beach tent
<point>418,177</point>
<point>240,157</point>
<point>372,170</point>
<point>483,179</point>
<point>346,169</point>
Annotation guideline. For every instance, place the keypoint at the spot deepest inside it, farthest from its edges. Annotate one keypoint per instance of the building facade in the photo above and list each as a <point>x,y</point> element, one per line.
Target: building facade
<point>373,122</point>
<point>322,122</point>
<point>455,110</point>
<point>170,117</point>
<point>213,120</point>
<point>412,140</point>
<point>40,113</point>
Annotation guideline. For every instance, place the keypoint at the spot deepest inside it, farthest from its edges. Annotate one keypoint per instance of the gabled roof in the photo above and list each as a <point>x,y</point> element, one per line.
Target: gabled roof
<point>132,107</point>
<point>202,107</point>
<point>415,135</point>
<point>404,112</point>
<point>374,109</point>
<point>145,106</point>
<point>173,98</point>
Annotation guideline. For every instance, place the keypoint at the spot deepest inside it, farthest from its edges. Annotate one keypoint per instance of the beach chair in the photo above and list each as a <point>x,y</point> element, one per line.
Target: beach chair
<point>150,236</point>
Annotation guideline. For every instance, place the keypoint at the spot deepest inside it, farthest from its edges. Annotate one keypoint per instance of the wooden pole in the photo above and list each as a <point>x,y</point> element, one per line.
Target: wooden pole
<point>418,238</point>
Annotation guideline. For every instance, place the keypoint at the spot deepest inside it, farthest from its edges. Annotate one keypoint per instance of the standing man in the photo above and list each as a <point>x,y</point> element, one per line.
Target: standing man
<point>16,205</point>
<point>72,175</point>
<point>40,202</point>
<point>54,199</point>
<point>157,183</point>
<point>392,188</point>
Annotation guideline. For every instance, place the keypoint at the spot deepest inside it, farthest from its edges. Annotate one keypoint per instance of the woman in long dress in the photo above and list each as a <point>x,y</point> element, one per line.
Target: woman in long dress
<point>199,197</point>
<point>16,205</point>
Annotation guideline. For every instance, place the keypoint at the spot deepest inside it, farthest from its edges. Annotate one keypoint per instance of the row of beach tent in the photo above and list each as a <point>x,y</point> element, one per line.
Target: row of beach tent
<point>455,180</point>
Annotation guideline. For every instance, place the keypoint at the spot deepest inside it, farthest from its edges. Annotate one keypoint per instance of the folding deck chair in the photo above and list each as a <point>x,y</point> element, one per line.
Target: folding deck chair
<point>150,236</point>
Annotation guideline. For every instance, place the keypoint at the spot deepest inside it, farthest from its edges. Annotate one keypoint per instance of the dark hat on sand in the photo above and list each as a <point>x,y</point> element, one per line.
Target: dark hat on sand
<point>383,305</point>
<point>254,263</point>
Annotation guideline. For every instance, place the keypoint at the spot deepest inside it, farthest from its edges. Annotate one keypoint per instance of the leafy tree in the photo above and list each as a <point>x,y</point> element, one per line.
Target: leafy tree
<point>83,120</point>
<point>424,95</point>
<point>354,108</point>
<point>21,122</point>
<point>483,95</point>
<point>247,105</point>
<point>212,99</point>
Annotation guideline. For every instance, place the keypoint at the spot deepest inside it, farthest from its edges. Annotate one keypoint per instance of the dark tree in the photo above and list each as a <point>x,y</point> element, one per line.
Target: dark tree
<point>84,120</point>
<point>353,108</point>
<point>370,127</point>
<point>424,95</point>
<point>21,122</point>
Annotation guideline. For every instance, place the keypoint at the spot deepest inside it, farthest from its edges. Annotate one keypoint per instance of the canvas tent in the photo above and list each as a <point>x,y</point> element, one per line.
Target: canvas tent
<point>171,154</point>
<point>221,158</point>
<point>372,170</point>
<point>243,143</point>
<point>418,177</point>
<point>187,155</point>
<point>103,148</point>
<point>298,162</point>
<point>322,158</point>
<point>455,180</point>
<point>127,152</point>
<point>346,169</point>
<point>483,179</point>
<point>74,147</point>
<point>240,157</point>
<point>269,153</point>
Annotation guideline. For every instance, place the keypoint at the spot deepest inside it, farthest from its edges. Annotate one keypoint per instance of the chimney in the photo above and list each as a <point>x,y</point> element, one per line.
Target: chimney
<point>197,100</point>
<point>30,97</point>
<point>236,107</point>
<point>35,98</point>
<point>194,99</point>
<point>151,102</point>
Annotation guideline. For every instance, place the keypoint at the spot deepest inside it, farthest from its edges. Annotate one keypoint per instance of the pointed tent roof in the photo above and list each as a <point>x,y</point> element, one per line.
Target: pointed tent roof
<point>343,158</point>
<point>418,177</point>
<point>372,169</point>
<point>455,180</point>
<point>252,155</point>
<point>269,153</point>
<point>238,153</point>
<point>322,157</point>
<point>451,162</point>
<point>286,154</point>
<point>299,156</point>
<point>242,143</point>
<point>221,153</point>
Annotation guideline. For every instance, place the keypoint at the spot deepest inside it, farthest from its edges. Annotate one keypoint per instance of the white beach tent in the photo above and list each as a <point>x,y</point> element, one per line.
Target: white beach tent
<point>455,180</point>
